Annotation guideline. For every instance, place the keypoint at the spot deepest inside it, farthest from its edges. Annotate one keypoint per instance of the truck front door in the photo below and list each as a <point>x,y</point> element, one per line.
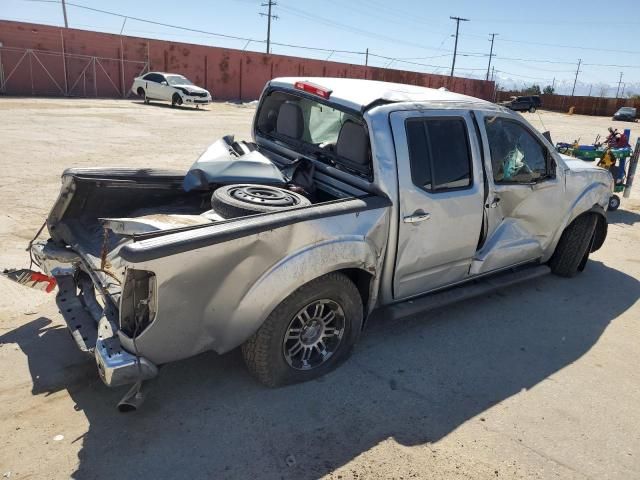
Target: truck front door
<point>526,201</point>
<point>441,198</point>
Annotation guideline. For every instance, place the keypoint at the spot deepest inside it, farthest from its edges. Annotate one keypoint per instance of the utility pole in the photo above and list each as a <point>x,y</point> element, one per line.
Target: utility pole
<point>455,48</point>
<point>366,58</point>
<point>64,13</point>
<point>619,82</point>
<point>553,85</point>
<point>590,87</point>
<point>493,35</point>
<point>575,80</point>
<point>269,4</point>
<point>623,87</point>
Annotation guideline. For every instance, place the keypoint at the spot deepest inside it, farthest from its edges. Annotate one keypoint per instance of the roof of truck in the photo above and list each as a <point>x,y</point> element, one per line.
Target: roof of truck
<point>358,94</point>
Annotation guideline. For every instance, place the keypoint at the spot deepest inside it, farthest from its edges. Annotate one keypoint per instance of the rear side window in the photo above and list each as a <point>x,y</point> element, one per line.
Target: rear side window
<point>439,153</point>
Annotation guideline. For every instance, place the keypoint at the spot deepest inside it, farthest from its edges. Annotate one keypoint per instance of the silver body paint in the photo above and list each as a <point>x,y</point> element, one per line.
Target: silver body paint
<point>216,285</point>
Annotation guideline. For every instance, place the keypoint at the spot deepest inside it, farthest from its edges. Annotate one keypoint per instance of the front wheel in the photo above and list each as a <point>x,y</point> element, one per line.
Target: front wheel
<point>572,251</point>
<point>310,333</point>
<point>176,100</point>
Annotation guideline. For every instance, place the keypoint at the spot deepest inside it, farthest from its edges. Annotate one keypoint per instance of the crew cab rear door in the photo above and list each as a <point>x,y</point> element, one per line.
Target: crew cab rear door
<point>441,198</point>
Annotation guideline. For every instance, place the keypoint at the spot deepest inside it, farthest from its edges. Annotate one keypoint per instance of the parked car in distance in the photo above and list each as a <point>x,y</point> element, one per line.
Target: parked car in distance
<point>351,196</point>
<point>170,87</point>
<point>523,104</point>
<point>627,114</point>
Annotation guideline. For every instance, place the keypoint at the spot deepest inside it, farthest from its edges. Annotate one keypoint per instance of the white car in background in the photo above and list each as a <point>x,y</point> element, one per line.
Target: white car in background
<point>170,87</point>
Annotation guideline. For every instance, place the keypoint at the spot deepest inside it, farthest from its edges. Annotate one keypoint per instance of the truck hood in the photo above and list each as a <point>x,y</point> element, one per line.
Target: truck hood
<point>577,165</point>
<point>588,171</point>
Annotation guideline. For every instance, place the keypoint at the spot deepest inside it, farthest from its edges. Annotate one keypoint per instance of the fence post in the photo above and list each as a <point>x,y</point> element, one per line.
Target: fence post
<point>1,70</point>
<point>31,72</point>
<point>95,79</point>
<point>64,65</point>
<point>633,165</point>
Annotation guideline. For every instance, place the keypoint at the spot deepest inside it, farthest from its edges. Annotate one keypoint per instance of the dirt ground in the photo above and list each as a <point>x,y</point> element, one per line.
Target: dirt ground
<point>538,381</point>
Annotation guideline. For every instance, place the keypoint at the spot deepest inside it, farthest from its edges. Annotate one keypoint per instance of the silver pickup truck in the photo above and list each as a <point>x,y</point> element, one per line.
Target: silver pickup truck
<point>353,196</point>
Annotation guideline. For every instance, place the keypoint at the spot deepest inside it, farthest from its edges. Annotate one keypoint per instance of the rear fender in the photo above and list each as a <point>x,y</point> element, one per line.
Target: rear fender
<point>292,272</point>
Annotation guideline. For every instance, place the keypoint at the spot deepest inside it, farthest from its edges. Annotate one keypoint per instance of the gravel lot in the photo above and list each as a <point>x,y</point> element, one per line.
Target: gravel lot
<point>538,381</point>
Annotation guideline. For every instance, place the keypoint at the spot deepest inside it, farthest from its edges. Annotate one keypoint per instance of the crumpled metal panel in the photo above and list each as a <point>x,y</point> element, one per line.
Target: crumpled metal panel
<point>215,297</point>
<point>219,164</point>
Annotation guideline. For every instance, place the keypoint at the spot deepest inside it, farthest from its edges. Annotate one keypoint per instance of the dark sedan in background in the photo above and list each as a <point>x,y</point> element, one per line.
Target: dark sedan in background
<point>523,104</point>
<point>627,114</point>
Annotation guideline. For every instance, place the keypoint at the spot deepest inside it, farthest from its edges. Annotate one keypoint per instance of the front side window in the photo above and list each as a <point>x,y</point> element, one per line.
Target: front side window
<point>439,153</point>
<point>516,155</point>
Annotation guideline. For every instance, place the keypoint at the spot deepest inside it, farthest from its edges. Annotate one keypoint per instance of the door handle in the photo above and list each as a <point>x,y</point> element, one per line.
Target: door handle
<point>417,217</point>
<point>494,203</point>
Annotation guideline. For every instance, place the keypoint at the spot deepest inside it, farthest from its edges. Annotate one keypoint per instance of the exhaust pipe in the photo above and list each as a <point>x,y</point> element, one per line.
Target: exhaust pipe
<point>133,399</point>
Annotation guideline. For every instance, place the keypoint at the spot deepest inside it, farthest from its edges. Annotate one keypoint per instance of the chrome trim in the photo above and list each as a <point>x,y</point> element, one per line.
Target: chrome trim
<point>118,367</point>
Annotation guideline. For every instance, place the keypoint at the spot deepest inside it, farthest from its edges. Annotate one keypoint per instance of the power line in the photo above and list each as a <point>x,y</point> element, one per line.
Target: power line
<point>342,26</point>
<point>575,80</point>
<point>455,48</point>
<point>619,82</point>
<point>269,16</point>
<point>493,36</point>
<point>64,14</point>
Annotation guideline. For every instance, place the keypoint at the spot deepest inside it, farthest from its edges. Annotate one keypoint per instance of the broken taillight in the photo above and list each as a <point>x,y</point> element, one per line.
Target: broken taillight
<point>313,89</point>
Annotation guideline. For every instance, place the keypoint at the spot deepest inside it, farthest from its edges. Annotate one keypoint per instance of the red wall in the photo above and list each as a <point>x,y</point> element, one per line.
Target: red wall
<point>228,73</point>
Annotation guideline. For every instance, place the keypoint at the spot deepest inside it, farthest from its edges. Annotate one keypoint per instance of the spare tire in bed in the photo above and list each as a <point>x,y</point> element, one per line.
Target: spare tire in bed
<point>232,201</point>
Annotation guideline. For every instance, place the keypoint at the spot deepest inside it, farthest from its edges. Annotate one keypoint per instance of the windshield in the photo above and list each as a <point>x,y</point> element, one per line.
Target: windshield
<point>177,80</point>
<point>314,127</point>
<point>627,110</point>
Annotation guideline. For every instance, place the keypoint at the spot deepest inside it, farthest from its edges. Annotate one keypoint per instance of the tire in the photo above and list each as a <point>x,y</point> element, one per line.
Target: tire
<point>614,202</point>
<point>572,251</point>
<point>143,94</point>
<point>532,109</point>
<point>266,353</point>
<point>176,100</point>
<point>233,201</point>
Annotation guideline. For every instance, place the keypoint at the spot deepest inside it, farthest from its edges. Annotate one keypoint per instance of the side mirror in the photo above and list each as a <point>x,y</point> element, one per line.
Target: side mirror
<point>164,83</point>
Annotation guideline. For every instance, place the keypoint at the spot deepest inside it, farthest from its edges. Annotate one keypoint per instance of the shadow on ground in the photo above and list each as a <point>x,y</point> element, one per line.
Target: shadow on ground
<point>414,380</point>
<point>174,107</point>
<point>625,217</point>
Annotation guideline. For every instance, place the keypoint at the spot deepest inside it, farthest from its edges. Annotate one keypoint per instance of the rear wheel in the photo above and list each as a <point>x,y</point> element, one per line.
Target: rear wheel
<point>614,202</point>
<point>572,251</point>
<point>532,109</point>
<point>309,334</point>
<point>143,94</point>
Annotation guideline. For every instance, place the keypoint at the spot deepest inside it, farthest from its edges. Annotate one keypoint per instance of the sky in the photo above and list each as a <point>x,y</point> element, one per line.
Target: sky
<point>536,42</point>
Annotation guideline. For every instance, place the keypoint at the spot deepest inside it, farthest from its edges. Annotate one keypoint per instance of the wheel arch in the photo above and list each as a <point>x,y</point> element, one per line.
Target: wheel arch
<point>600,232</point>
<point>352,256</point>
<point>602,227</point>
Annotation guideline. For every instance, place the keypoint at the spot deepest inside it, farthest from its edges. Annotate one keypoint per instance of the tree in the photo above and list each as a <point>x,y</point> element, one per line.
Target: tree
<point>549,90</point>
<point>532,90</point>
